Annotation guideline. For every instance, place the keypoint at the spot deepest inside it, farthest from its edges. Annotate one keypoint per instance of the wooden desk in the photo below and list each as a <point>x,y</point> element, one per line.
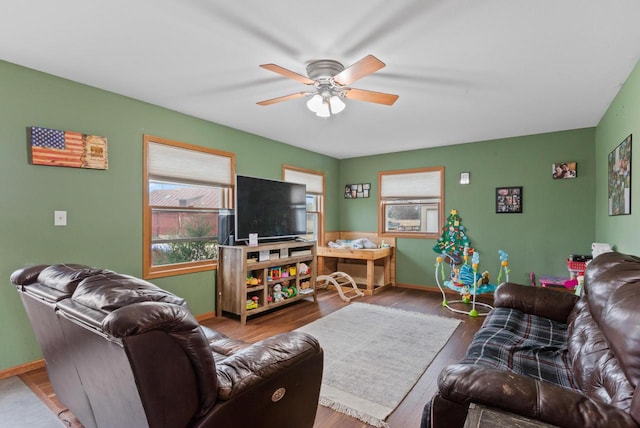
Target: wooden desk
<point>370,256</point>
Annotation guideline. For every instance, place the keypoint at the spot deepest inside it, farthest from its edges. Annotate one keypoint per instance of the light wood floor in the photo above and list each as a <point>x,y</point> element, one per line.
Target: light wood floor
<point>408,413</point>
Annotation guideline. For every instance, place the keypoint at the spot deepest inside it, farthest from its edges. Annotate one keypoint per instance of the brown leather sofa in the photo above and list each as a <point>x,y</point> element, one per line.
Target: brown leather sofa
<point>553,357</point>
<point>121,352</point>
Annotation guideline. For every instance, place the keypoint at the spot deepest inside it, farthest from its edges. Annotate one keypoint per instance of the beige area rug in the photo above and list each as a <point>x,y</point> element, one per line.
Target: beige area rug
<point>19,407</point>
<point>374,355</point>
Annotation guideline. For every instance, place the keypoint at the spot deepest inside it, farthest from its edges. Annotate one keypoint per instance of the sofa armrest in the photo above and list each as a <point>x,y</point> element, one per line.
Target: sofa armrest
<point>540,301</point>
<point>265,359</point>
<point>528,397</point>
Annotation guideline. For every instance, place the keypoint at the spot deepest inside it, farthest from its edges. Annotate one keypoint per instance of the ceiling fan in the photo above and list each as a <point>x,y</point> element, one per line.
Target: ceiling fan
<point>331,81</point>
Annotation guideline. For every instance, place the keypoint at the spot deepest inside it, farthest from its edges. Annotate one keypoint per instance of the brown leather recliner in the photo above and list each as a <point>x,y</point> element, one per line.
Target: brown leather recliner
<point>554,357</point>
<point>122,352</point>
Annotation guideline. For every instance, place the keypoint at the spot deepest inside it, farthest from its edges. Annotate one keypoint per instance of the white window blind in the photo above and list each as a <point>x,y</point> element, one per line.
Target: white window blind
<point>312,181</point>
<point>411,202</point>
<point>184,165</point>
<point>411,185</point>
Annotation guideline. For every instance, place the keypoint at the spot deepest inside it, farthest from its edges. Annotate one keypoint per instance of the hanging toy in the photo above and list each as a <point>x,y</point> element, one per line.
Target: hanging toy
<point>504,265</point>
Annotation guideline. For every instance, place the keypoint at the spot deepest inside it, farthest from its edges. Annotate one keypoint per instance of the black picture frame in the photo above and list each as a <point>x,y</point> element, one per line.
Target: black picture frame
<point>509,200</point>
<point>619,179</point>
<point>354,191</point>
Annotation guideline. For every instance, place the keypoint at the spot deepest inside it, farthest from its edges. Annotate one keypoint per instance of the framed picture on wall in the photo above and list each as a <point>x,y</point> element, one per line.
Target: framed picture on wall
<point>564,170</point>
<point>508,200</point>
<point>353,191</point>
<point>619,178</point>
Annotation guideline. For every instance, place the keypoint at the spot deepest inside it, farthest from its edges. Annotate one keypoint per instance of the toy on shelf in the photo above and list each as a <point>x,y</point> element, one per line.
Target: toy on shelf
<point>304,269</point>
<point>289,291</point>
<point>275,273</point>
<point>277,293</point>
<point>252,303</point>
<point>286,290</point>
<point>253,281</point>
<point>468,282</point>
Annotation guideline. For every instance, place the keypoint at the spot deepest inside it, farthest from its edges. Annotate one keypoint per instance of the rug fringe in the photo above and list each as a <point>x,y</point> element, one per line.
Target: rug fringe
<point>341,408</point>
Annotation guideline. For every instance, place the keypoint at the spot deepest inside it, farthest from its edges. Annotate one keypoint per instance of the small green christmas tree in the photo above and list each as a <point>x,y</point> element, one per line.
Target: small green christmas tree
<point>453,240</point>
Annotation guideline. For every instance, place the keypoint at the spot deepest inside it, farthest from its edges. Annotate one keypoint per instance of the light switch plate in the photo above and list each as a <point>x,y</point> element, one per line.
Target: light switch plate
<point>59,218</point>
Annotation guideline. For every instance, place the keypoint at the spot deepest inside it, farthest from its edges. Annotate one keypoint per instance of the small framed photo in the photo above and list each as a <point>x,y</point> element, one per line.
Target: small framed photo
<point>564,170</point>
<point>508,200</point>
<point>353,191</point>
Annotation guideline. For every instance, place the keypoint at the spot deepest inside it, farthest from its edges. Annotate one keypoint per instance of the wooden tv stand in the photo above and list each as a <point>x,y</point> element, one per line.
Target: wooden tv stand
<point>239,262</point>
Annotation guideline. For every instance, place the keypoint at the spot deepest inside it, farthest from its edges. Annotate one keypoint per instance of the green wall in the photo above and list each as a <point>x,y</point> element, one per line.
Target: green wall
<point>557,218</point>
<point>621,119</point>
<point>104,208</point>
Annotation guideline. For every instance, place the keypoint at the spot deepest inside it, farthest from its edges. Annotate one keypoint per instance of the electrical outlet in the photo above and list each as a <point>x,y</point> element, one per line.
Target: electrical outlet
<point>59,218</point>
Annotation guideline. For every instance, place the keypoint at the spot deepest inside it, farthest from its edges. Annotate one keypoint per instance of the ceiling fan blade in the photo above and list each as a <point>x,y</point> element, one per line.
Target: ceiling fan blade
<point>367,65</point>
<point>287,73</point>
<point>283,98</point>
<point>371,96</point>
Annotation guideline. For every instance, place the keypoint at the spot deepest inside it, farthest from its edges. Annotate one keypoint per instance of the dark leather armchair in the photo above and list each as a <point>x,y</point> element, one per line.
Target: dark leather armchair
<point>122,352</point>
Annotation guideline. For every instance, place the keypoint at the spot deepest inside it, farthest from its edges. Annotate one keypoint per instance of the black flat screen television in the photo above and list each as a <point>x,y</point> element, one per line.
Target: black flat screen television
<point>273,209</point>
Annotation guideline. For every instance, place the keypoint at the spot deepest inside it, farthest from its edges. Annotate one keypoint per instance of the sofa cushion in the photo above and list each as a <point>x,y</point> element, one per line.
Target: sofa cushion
<point>605,274</point>
<point>595,368</point>
<point>604,349</point>
<point>615,280</point>
<point>67,308</point>
<point>524,344</point>
<point>221,346</point>
<point>66,277</point>
<point>108,291</point>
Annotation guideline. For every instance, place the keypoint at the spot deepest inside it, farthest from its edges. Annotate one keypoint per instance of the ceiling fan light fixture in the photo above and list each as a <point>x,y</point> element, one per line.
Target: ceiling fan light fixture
<point>337,105</point>
<point>314,103</point>
<point>331,81</point>
<point>323,110</point>
<point>325,105</point>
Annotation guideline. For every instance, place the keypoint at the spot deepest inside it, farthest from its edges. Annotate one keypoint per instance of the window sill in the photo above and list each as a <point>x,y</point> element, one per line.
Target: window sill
<point>178,269</point>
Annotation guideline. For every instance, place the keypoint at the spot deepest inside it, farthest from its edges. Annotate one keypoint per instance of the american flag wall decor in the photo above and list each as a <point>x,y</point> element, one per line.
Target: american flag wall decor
<point>65,148</point>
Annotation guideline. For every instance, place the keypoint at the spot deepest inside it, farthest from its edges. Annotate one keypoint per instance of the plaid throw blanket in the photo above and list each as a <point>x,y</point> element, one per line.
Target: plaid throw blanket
<point>524,344</point>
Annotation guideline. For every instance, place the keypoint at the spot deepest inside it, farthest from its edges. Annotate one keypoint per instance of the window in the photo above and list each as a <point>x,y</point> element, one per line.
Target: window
<point>411,202</point>
<point>186,188</point>
<point>315,197</point>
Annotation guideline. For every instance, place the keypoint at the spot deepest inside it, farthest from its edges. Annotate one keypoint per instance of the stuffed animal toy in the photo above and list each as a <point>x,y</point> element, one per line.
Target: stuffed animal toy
<point>277,293</point>
<point>484,279</point>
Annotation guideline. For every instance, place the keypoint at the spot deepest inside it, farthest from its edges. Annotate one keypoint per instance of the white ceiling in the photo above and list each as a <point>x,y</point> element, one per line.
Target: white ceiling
<point>465,70</point>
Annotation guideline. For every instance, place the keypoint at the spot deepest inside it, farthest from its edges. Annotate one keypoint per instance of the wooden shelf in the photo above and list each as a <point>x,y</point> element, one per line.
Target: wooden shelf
<point>234,267</point>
